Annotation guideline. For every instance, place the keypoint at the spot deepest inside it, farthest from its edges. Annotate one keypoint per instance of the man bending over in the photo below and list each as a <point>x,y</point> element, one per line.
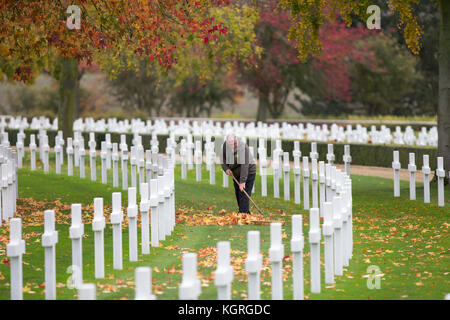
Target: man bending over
<point>236,160</point>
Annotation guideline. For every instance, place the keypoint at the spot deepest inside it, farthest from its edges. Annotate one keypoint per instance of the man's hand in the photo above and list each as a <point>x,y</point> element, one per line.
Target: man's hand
<point>228,172</point>
<point>242,186</point>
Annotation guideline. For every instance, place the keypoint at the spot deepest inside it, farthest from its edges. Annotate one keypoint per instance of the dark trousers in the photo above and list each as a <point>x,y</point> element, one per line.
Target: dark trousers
<point>241,198</point>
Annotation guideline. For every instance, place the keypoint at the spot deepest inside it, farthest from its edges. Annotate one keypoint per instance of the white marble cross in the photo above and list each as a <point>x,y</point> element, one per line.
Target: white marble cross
<point>98,226</point>
<point>412,178</point>
<point>276,254</point>
<point>253,265</point>
<point>190,288</point>
<point>314,240</point>
<point>440,173</point>
<point>49,241</point>
<point>328,230</point>
<point>132,224</point>
<point>14,250</point>
<point>223,276</point>
<point>76,232</point>
<point>116,221</point>
<point>396,166</point>
<point>143,280</point>
<point>297,245</point>
<point>154,202</point>
<point>286,170</point>
<point>305,183</point>
<point>426,178</point>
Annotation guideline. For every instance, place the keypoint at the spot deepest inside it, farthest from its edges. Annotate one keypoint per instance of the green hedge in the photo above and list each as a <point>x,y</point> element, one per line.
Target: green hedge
<point>362,154</point>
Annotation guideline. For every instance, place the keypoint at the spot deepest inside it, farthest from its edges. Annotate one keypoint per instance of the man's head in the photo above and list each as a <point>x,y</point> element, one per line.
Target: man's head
<point>232,141</point>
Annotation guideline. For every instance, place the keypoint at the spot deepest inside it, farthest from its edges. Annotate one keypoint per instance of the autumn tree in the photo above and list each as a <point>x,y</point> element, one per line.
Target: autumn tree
<point>142,89</point>
<point>327,81</point>
<point>201,68</point>
<point>34,36</point>
<point>198,96</point>
<point>307,17</point>
<point>269,74</point>
<point>388,88</point>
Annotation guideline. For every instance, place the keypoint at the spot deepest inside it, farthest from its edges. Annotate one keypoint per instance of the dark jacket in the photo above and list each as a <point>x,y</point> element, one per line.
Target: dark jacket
<point>239,161</point>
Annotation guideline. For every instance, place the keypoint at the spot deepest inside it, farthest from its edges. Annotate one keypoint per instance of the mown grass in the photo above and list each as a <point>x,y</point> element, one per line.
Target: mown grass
<point>407,240</point>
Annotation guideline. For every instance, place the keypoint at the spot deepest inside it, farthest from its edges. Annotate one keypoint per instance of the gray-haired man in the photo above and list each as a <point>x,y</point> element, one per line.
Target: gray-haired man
<point>236,160</point>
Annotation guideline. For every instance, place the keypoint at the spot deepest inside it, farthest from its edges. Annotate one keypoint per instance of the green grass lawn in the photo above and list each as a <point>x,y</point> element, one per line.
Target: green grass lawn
<point>407,240</point>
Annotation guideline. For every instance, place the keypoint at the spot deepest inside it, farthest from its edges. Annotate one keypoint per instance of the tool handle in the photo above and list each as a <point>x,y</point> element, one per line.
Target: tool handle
<point>245,192</point>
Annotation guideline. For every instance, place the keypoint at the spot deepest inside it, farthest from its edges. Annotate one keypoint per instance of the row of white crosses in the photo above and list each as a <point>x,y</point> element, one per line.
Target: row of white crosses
<point>308,131</point>
<point>440,174</point>
<point>159,203</point>
<point>338,248</point>
<point>337,254</point>
<point>8,182</point>
<point>320,173</point>
<point>142,163</point>
<point>337,227</point>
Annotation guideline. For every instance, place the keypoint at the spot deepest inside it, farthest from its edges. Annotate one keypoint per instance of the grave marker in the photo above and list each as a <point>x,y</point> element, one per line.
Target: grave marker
<point>396,166</point>
<point>115,165</point>
<point>286,170</point>
<point>333,181</point>
<point>124,164</point>
<point>253,265</point>
<point>154,200</point>
<point>49,241</point>
<point>33,152</point>
<point>108,150</point>
<point>314,240</point>
<point>305,183</point>
<point>132,224</point>
<point>426,179</point>
<point>143,280</point>
<point>81,155</point>
<point>69,157</point>
<point>98,226</point>
<point>104,165</point>
<point>440,173</point>
<point>87,291</point>
<point>198,161</point>
<point>328,230</point>
<point>412,178</point>
<point>223,275</point>
<point>330,154</point>
<point>116,221</point>
<point>263,171</point>
<point>14,250</point>
<point>347,159</point>
<point>314,179</point>
<point>76,232</point>
<point>161,208</point>
<point>45,154</point>
<point>276,254</point>
<point>92,156</point>
<point>338,243</point>
<point>145,223</point>
<point>133,163</point>
<point>313,154</point>
<point>322,182</point>
<point>297,245</point>
<point>190,287</point>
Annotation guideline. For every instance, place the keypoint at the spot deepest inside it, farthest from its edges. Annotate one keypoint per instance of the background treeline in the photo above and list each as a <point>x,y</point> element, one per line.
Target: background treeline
<point>360,72</point>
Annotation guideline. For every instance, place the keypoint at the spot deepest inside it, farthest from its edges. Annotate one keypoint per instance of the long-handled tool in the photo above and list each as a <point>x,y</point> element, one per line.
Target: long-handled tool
<point>257,208</point>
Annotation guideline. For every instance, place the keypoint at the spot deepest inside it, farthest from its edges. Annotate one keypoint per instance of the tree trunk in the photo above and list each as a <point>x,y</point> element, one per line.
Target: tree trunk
<point>444,85</point>
<point>68,95</point>
<point>263,104</point>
